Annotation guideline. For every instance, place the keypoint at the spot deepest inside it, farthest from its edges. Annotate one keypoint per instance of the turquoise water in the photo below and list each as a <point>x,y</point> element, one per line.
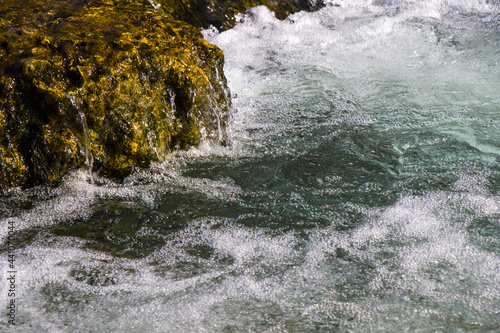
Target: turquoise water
<point>360,191</point>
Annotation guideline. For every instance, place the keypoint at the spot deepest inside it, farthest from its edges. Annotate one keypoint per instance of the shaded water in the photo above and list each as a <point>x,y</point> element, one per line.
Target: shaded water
<point>360,192</point>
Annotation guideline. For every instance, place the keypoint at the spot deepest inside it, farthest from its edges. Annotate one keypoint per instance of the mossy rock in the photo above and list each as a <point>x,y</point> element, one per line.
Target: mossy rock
<point>106,84</point>
<point>221,13</point>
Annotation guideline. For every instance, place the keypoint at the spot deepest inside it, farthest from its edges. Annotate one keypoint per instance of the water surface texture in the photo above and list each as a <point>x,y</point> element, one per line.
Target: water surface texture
<point>360,191</point>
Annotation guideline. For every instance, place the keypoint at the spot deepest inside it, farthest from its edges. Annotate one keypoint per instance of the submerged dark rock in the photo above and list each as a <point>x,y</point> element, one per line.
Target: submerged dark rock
<point>103,84</point>
<point>221,13</point>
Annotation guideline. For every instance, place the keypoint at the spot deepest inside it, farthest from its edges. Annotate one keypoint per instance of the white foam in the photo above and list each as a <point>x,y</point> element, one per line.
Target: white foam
<point>249,272</point>
<point>373,52</point>
<point>415,263</point>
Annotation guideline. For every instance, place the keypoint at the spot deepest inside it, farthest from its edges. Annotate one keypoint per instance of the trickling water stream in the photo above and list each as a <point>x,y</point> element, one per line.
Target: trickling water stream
<point>84,139</point>
<point>360,191</point>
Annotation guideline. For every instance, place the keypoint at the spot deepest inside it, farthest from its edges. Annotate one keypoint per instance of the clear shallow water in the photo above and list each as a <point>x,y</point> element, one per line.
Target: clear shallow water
<point>360,192</point>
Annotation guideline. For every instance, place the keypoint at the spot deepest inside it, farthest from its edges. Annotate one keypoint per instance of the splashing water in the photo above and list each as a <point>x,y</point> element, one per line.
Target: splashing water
<point>360,191</point>
<point>85,139</point>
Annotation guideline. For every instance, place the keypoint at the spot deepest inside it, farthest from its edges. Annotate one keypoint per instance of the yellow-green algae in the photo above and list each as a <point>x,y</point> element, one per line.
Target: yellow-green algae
<point>221,13</point>
<point>104,84</point>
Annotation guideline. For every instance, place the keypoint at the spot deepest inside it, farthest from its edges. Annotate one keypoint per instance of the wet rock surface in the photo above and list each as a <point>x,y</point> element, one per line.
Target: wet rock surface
<point>107,85</point>
<point>110,85</point>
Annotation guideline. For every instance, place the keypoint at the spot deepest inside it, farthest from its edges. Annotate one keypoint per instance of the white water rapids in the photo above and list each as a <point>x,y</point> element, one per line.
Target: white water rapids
<point>360,191</point>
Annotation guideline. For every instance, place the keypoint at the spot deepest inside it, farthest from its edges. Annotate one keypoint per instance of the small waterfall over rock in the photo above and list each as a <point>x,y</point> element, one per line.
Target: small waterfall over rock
<point>83,138</point>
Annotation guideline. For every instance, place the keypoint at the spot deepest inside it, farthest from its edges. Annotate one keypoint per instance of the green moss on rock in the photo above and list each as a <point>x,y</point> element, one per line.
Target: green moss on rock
<point>103,84</point>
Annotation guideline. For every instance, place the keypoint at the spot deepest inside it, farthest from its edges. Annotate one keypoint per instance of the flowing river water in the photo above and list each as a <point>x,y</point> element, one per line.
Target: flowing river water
<point>360,192</point>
